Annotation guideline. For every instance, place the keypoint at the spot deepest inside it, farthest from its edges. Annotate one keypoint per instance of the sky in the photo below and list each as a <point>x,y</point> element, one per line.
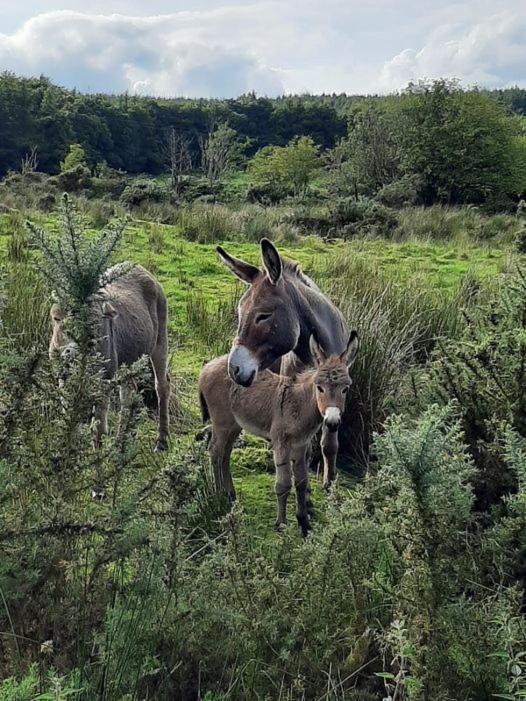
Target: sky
<point>224,48</point>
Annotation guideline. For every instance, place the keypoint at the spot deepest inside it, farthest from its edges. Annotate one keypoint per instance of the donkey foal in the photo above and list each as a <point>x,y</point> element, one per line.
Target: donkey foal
<point>286,411</point>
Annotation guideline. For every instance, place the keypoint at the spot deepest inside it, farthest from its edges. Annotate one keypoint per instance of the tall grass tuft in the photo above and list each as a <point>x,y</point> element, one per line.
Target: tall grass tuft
<point>461,224</point>
<point>398,325</point>
<point>212,324</point>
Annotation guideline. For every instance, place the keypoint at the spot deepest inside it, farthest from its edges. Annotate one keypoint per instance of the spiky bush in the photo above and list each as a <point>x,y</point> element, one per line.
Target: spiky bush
<point>485,372</point>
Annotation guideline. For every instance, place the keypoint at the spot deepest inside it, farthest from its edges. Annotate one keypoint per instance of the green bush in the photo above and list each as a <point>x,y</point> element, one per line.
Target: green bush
<point>520,240</point>
<point>363,216</point>
<point>143,190</point>
<point>266,193</point>
<point>74,179</point>
<point>75,157</point>
<point>485,372</point>
<point>400,193</point>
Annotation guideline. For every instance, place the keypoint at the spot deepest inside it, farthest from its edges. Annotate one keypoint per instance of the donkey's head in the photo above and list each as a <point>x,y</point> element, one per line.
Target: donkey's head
<point>268,323</point>
<point>332,381</point>
<point>62,345</point>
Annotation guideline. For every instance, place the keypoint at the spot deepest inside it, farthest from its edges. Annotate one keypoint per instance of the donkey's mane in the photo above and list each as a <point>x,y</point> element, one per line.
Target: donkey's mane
<point>293,269</point>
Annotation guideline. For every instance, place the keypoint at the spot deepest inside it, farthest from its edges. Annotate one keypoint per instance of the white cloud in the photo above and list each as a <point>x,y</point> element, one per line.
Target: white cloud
<point>187,53</point>
<point>270,46</point>
<point>491,53</point>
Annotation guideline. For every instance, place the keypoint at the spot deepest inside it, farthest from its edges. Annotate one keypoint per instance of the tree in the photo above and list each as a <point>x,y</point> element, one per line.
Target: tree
<point>290,167</point>
<point>178,157</point>
<point>220,151</point>
<point>371,150</point>
<point>76,156</point>
<point>460,142</point>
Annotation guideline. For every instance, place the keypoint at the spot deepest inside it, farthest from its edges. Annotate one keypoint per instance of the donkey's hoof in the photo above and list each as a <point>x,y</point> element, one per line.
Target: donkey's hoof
<point>280,526</point>
<point>304,524</point>
<point>161,446</point>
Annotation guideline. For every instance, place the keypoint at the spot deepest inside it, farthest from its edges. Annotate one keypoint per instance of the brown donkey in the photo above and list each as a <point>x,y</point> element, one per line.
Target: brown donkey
<point>286,411</point>
<point>277,315</point>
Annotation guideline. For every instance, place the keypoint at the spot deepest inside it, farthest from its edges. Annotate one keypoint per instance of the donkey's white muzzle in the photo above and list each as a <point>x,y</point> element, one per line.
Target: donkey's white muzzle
<point>242,366</point>
<point>332,417</point>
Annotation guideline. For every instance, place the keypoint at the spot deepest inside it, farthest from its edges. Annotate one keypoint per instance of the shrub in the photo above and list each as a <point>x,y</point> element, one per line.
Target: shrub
<point>289,167</point>
<point>400,193</point>
<point>75,157</point>
<point>363,216</point>
<point>143,190</point>
<point>74,179</point>
<point>484,371</point>
<point>266,193</point>
<point>520,240</point>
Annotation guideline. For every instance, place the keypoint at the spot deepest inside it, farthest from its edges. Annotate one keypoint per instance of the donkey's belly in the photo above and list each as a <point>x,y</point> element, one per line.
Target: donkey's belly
<point>252,428</point>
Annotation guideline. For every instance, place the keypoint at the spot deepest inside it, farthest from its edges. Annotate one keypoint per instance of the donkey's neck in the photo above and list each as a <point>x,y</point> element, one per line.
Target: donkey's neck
<point>317,315</point>
<point>307,417</point>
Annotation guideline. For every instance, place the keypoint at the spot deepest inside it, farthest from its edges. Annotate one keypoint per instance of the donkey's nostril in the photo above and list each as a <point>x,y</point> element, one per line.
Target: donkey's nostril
<point>235,370</point>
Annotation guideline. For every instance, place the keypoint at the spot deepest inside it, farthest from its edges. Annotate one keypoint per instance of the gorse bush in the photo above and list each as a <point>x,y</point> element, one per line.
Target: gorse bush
<point>75,262</point>
<point>484,371</point>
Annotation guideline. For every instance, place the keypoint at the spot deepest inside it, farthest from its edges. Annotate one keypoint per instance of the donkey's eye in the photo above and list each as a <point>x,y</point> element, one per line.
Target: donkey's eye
<point>262,317</point>
<point>320,389</point>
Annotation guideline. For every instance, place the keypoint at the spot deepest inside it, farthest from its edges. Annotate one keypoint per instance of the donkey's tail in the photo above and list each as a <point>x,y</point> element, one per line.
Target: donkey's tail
<point>205,433</point>
<point>205,414</point>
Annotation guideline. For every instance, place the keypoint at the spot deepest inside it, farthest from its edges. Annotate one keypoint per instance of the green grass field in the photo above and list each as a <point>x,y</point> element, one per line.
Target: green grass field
<point>199,288</point>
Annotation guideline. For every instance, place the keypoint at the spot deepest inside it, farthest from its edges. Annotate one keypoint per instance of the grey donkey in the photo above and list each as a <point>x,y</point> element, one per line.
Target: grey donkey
<point>132,317</point>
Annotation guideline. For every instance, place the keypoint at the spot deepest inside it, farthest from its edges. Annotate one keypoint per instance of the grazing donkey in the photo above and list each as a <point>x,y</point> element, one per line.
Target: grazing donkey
<point>132,316</point>
<point>286,411</point>
<point>277,315</point>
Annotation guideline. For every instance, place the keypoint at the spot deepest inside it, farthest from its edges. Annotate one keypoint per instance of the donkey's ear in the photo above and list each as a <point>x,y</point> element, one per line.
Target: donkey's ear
<point>349,354</point>
<point>316,350</point>
<point>271,261</point>
<point>244,271</point>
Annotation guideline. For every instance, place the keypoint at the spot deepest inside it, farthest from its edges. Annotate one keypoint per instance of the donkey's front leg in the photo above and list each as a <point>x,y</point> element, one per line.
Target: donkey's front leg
<point>301,484</point>
<point>101,420</point>
<point>220,450</point>
<point>283,483</point>
<point>329,449</point>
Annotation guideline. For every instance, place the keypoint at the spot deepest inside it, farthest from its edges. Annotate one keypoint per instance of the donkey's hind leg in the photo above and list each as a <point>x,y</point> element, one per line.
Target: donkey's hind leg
<point>220,450</point>
<point>162,387</point>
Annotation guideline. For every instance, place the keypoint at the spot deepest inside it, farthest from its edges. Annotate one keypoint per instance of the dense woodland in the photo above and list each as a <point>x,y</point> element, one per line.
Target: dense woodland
<point>476,141</point>
<point>409,212</point>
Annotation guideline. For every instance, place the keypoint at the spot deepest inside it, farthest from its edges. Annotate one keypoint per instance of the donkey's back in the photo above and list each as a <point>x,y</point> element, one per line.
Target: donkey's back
<point>140,324</point>
<point>231,407</point>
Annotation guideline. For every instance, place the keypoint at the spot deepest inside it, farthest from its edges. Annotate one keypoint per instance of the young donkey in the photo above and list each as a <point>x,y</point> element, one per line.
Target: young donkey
<point>287,411</point>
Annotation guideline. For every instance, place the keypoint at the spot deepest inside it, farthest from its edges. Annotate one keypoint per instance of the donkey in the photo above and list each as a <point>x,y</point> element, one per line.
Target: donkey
<point>277,316</point>
<point>132,318</point>
<point>286,411</point>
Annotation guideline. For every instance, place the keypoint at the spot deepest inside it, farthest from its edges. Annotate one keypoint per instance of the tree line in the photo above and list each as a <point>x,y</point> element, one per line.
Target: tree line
<point>434,142</point>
